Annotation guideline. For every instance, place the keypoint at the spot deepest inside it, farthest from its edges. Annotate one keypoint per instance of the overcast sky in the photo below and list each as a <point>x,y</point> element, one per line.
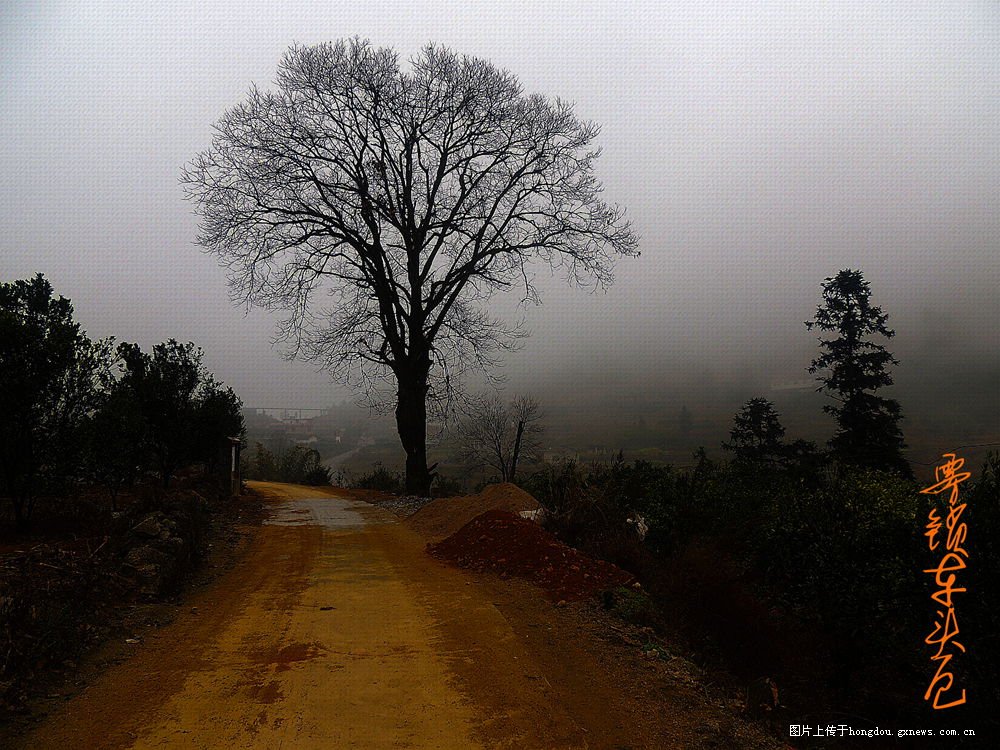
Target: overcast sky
<point>759,147</point>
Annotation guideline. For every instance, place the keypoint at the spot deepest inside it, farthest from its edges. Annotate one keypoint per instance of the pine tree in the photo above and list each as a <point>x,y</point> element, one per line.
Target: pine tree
<point>757,433</point>
<point>853,368</point>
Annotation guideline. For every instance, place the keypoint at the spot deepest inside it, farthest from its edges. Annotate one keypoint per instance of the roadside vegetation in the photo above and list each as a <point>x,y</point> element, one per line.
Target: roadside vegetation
<point>112,460</point>
<point>794,563</point>
<point>295,464</point>
<point>810,574</point>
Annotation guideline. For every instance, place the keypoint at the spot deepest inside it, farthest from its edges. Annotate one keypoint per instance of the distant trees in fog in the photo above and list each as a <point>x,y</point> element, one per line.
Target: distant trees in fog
<point>757,433</point>
<point>501,434</point>
<point>852,368</point>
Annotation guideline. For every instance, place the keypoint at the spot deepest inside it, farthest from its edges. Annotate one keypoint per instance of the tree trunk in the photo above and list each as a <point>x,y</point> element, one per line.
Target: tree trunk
<point>411,423</point>
<point>517,450</point>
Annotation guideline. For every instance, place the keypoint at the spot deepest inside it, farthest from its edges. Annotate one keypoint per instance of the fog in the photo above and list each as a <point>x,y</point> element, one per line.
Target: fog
<point>759,148</point>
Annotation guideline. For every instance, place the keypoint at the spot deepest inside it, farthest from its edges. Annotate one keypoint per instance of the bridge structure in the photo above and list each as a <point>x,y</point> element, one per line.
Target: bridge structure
<point>287,413</point>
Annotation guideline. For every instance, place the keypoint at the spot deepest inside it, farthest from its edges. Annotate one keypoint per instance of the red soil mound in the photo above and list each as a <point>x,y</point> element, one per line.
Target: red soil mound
<point>505,543</point>
<point>445,516</point>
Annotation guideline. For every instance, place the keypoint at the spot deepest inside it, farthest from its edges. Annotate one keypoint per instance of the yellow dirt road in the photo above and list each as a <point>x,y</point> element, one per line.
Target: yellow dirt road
<point>336,630</point>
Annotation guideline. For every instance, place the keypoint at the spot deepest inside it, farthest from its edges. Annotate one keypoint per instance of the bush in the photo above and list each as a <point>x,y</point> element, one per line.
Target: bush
<point>590,508</point>
<point>381,480</point>
<point>317,477</point>
<point>846,557</point>
<point>296,465</point>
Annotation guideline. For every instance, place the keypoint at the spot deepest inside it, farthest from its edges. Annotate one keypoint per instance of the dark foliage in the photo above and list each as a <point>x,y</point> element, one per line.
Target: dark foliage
<point>596,507</point>
<point>854,368</point>
<point>296,464</point>
<point>185,413</point>
<point>757,435</point>
<point>51,378</point>
<point>218,415</point>
<point>837,552</point>
<point>381,479</point>
<point>116,440</point>
<point>979,609</point>
<point>68,419</point>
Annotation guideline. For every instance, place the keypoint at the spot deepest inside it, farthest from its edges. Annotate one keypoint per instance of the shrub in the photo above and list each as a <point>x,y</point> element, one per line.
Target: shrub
<point>320,475</point>
<point>297,465</point>
<point>590,508</point>
<point>845,557</point>
<point>381,480</point>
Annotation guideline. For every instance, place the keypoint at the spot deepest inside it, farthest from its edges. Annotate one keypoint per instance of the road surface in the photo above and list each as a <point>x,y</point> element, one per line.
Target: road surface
<point>336,631</point>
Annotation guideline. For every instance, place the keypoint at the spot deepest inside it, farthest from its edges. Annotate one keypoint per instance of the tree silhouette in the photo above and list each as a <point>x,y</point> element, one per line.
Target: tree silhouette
<point>116,440</point>
<point>757,433</point>
<point>853,368</point>
<point>381,208</point>
<point>499,435</point>
<point>165,385</point>
<point>51,376</point>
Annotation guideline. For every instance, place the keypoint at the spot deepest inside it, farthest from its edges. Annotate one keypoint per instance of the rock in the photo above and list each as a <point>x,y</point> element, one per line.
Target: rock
<point>172,545</point>
<point>153,569</point>
<point>146,555</point>
<point>150,527</point>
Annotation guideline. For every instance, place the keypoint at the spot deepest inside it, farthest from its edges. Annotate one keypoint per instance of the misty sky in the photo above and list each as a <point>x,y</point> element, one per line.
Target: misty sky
<point>759,147</point>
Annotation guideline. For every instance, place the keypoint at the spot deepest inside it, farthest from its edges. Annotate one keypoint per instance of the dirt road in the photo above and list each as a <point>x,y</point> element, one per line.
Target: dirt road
<point>337,630</point>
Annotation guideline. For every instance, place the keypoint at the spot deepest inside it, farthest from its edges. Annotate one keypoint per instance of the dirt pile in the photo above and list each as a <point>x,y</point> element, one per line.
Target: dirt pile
<point>445,516</point>
<point>503,542</point>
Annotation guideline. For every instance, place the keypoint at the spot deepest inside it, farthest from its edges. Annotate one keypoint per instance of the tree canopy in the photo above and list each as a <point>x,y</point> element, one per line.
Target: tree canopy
<point>51,376</point>
<point>185,412</point>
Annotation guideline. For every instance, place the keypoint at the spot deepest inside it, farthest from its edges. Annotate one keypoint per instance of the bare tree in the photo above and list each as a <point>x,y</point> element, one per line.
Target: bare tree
<point>381,208</point>
<point>498,434</point>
